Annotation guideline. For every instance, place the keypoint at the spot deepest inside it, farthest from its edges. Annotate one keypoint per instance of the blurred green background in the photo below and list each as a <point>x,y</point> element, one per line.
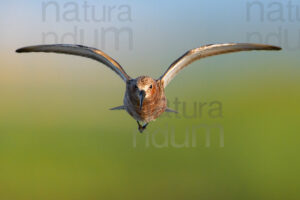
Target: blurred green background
<point>58,139</point>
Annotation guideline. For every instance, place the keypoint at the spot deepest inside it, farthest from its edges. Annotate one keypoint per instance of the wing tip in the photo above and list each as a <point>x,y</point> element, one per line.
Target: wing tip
<point>266,46</point>
<point>263,46</point>
<point>24,49</point>
<point>34,48</point>
<point>21,50</point>
<point>276,48</point>
<point>272,47</point>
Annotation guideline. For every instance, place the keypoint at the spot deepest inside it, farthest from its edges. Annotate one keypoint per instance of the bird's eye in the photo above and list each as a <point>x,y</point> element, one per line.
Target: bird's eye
<point>150,87</point>
<point>135,86</point>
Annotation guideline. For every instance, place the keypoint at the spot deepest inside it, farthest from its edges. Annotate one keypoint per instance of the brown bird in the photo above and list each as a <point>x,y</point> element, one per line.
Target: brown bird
<point>144,97</point>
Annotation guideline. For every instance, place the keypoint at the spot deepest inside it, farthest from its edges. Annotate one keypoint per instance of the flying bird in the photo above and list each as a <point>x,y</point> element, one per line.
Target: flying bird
<point>144,97</point>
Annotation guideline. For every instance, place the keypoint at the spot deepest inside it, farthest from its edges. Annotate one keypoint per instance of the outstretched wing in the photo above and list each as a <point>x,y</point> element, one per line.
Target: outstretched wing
<point>206,51</point>
<point>80,50</point>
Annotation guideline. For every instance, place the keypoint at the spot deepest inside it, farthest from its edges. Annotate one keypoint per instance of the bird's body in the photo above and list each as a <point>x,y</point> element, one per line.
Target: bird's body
<point>155,102</point>
<point>144,97</point>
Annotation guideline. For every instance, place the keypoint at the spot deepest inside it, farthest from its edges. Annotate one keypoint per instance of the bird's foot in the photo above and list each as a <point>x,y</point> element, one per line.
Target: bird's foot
<point>142,128</point>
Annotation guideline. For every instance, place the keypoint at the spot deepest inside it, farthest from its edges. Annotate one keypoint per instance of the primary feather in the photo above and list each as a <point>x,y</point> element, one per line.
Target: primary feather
<point>80,50</point>
<point>206,51</point>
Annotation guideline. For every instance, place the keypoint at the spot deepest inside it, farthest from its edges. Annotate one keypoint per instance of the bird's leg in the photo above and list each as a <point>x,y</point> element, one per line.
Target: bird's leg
<point>140,127</point>
<point>145,126</point>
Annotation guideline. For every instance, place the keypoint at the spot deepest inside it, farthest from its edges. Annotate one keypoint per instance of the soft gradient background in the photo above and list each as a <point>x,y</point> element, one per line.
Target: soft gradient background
<point>58,140</point>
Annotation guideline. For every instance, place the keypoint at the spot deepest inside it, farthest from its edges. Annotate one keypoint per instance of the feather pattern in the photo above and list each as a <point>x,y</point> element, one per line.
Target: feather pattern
<point>206,51</point>
<point>80,50</point>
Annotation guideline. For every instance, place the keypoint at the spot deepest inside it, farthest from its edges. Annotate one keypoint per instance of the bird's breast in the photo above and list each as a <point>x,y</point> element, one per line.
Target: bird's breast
<point>152,108</point>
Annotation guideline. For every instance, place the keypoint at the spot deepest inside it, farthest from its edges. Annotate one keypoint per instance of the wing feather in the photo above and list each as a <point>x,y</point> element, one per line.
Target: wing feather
<point>206,51</point>
<point>80,50</point>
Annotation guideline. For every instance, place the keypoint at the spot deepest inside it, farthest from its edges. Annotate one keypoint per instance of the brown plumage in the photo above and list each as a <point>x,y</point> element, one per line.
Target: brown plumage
<point>144,97</point>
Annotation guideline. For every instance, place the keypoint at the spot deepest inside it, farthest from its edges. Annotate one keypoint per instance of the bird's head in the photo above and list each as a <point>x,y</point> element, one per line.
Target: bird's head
<point>142,88</point>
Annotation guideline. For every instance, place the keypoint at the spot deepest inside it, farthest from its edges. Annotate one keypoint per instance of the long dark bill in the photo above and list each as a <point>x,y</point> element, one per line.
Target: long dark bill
<point>142,96</point>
